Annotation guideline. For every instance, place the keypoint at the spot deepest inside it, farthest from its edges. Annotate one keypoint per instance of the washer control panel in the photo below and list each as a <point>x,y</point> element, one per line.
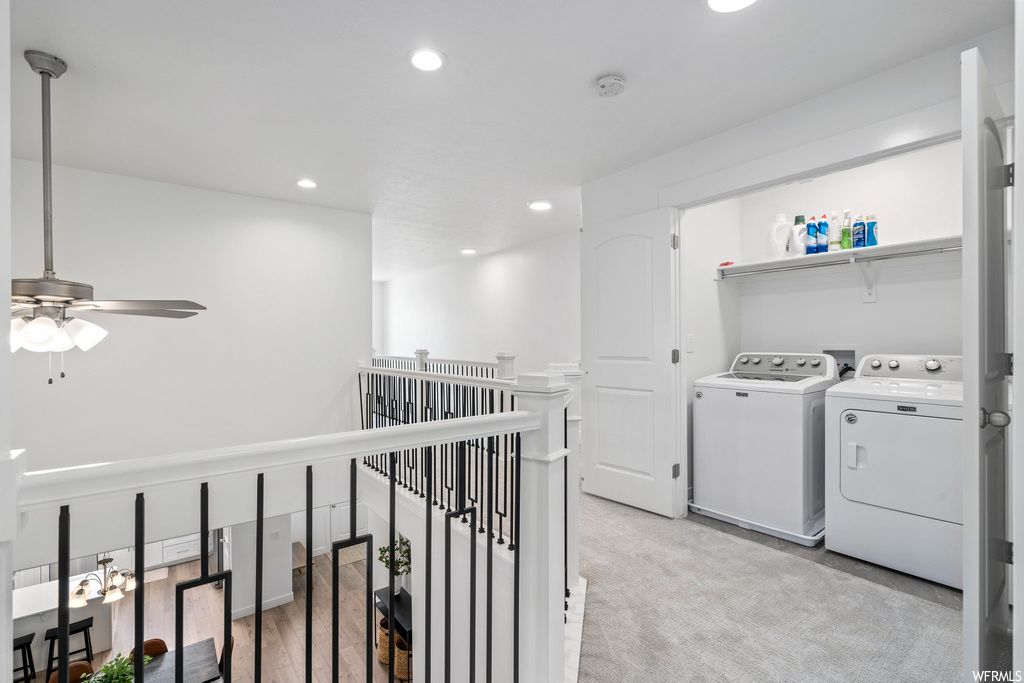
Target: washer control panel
<point>947,368</point>
<point>805,364</point>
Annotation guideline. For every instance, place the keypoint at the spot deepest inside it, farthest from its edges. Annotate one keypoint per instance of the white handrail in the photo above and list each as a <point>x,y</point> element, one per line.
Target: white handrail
<point>45,488</point>
<point>486,382</point>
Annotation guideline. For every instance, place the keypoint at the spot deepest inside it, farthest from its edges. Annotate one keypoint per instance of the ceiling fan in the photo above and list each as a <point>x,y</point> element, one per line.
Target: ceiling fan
<point>40,307</point>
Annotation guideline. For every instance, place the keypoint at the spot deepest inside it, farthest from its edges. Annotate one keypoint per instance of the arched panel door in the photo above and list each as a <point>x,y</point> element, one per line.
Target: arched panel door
<point>632,410</point>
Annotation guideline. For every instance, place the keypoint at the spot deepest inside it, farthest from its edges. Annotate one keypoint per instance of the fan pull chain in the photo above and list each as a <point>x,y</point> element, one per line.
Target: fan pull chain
<point>62,361</point>
<point>49,361</point>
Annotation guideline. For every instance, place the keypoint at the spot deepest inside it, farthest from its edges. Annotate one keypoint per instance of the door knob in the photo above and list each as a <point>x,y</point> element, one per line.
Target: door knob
<point>996,418</point>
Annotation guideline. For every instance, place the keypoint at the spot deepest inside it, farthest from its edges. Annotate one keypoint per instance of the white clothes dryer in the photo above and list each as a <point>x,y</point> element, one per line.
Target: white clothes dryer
<point>759,444</point>
<point>894,465</point>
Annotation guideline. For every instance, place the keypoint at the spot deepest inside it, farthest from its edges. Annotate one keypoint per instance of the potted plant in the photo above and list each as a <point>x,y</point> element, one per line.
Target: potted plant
<point>403,560</point>
<point>120,669</point>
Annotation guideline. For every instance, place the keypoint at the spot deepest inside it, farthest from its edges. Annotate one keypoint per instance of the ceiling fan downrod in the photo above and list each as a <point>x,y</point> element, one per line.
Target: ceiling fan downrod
<point>48,67</point>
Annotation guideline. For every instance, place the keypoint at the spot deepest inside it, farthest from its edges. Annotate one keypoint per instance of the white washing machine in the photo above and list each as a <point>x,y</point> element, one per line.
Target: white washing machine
<point>759,444</point>
<point>894,465</point>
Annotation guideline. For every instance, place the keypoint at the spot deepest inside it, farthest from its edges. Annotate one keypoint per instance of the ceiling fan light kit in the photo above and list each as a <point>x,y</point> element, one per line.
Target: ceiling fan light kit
<point>40,306</point>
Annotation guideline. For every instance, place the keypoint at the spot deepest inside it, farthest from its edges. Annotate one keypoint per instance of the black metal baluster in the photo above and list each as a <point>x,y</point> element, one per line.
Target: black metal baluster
<point>63,594</point>
<point>490,554</point>
<point>428,462</point>
<point>448,593</point>
<point>140,583</point>
<point>393,622</point>
<point>258,663</point>
<point>515,572</point>
<point>309,574</point>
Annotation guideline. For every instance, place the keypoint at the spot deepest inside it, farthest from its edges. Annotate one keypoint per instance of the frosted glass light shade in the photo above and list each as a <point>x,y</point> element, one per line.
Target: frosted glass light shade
<point>17,325</point>
<point>83,333</point>
<point>113,595</point>
<point>41,334</point>
<point>77,599</point>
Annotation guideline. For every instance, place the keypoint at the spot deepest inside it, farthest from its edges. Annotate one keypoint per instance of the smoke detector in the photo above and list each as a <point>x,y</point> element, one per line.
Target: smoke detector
<point>609,85</point>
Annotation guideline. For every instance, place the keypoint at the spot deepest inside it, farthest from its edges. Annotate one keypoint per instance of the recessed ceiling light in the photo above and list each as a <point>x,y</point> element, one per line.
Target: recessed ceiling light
<point>729,5</point>
<point>306,183</point>
<point>540,205</point>
<point>468,252</point>
<point>427,59</point>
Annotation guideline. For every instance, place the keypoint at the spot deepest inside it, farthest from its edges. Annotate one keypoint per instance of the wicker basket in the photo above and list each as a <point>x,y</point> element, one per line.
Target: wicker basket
<point>403,660</point>
<point>382,641</point>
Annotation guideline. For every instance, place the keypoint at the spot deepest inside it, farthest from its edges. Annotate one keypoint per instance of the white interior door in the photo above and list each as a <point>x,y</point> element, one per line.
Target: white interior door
<point>986,599</point>
<point>631,430</point>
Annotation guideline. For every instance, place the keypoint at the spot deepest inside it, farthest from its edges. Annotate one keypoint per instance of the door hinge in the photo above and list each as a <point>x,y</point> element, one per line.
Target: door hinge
<point>1009,364</point>
<point>1008,175</point>
<point>1009,552</point>
<point>675,241</point>
<point>675,355</point>
<point>675,473</point>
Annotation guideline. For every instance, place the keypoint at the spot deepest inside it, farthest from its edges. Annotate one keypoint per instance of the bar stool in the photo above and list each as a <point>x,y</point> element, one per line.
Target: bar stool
<point>27,670</point>
<point>77,628</point>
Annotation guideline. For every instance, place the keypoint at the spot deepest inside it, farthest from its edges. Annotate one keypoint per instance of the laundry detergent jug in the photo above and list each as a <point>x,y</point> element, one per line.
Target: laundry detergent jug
<point>798,238</point>
<point>778,238</point>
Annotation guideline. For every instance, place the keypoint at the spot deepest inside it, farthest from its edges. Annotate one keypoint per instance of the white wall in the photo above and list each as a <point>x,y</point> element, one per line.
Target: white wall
<point>916,196</point>
<point>277,565</point>
<point>524,300</point>
<point>274,357</point>
<point>378,317</point>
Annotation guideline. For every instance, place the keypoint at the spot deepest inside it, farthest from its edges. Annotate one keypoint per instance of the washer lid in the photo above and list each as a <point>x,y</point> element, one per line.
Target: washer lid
<point>766,383</point>
<point>901,390</point>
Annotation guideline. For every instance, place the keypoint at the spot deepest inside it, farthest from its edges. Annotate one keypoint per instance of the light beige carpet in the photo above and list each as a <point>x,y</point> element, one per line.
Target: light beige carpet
<point>669,600</point>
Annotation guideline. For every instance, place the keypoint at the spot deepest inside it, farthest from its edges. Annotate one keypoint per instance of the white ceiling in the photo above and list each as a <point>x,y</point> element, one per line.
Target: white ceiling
<point>249,96</point>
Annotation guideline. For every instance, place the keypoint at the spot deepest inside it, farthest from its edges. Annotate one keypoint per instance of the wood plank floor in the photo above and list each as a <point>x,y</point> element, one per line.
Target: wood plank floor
<point>283,627</point>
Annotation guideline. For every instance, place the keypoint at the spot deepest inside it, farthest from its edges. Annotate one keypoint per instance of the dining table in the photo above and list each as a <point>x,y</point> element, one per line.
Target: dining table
<point>200,664</point>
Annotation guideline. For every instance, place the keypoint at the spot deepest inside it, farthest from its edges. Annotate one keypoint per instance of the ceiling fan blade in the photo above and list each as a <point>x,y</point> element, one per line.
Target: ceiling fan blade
<point>137,305</point>
<point>19,312</point>
<point>152,313</point>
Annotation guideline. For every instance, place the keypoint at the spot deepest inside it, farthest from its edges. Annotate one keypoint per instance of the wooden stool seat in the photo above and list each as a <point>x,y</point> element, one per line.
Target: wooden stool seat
<point>27,670</point>
<point>82,628</point>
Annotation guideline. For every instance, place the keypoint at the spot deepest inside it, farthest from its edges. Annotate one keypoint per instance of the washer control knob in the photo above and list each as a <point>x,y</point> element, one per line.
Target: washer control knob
<point>894,364</point>
<point>876,363</point>
<point>778,360</point>
<point>932,364</point>
<point>815,362</point>
<point>755,361</point>
<point>801,361</point>
<point>744,359</point>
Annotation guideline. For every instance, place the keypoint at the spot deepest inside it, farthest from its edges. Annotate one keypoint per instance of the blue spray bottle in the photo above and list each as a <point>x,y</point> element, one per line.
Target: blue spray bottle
<point>812,237</point>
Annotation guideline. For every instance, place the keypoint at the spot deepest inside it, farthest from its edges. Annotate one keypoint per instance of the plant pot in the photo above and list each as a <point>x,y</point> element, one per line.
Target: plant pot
<point>403,660</point>
<point>382,641</point>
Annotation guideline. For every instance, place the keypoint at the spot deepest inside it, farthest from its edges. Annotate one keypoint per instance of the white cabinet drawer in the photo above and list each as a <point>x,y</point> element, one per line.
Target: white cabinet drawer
<point>180,552</point>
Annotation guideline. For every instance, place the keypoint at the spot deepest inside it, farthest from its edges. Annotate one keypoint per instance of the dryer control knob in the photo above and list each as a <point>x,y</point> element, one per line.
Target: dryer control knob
<point>876,363</point>
<point>815,362</point>
<point>778,360</point>
<point>894,364</point>
<point>932,364</point>
<point>755,361</point>
<point>801,361</point>
<point>744,359</point>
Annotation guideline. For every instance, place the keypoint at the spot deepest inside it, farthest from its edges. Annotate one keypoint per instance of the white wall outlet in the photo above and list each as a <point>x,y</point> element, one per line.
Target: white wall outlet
<point>275,535</point>
<point>689,343</point>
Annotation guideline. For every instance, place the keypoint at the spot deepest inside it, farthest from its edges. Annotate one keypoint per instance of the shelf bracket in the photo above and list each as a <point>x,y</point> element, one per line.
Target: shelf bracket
<point>869,292</point>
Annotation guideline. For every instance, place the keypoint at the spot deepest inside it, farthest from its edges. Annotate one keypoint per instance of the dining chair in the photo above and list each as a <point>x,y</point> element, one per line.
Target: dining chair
<point>150,648</point>
<point>77,670</point>
<point>220,664</point>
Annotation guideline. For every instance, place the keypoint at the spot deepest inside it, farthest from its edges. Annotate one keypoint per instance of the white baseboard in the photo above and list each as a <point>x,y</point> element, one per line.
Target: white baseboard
<point>267,605</point>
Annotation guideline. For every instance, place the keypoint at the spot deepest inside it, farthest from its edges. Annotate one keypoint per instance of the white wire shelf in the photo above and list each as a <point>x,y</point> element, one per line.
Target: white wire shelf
<point>936,245</point>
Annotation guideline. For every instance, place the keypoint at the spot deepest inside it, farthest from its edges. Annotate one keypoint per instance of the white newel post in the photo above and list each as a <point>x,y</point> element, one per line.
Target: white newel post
<point>11,469</point>
<point>574,376</point>
<point>542,580</point>
<point>421,359</point>
<point>506,365</point>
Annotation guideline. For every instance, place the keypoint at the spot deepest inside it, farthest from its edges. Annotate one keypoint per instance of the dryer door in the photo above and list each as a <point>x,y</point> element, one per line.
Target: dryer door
<point>908,463</point>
